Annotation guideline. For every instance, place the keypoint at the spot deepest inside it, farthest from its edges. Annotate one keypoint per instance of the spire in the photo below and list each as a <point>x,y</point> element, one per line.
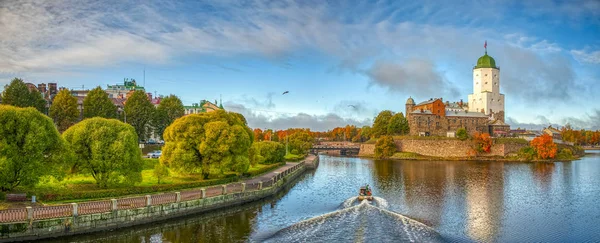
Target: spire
<point>485,46</point>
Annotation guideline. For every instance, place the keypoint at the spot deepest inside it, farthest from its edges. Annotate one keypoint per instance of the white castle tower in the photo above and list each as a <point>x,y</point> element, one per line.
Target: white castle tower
<point>486,95</point>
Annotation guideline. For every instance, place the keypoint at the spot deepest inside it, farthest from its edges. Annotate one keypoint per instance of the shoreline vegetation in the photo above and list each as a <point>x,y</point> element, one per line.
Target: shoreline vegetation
<point>81,188</point>
<point>415,156</point>
<point>480,145</point>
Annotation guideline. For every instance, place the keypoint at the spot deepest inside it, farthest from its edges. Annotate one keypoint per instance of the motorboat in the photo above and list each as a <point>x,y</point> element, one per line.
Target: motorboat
<point>365,193</point>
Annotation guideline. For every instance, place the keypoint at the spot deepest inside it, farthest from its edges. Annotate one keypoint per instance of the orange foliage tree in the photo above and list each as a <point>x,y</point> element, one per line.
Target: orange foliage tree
<point>258,134</point>
<point>544,146</point>
<point>482,142</point>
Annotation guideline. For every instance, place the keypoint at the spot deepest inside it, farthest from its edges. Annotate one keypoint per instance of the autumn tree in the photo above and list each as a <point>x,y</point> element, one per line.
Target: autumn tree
<point>365,133</point>
<point>139,112</point>
<point>220,143</point>
<point>258,134</point>
<point>107,149</point>
<point>398,125</point>
<point>381,123</point>
<point>482,142</point>
<point>18,94</point>
<point>64,110</point>
<point>30,147</point>
<point>544,147</point>
<point>169,109</point>
<point>97,104</point>
<point>385,147</point>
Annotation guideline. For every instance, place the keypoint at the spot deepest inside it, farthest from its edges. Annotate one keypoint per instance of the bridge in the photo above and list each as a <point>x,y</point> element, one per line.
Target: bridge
<point>344,150</point>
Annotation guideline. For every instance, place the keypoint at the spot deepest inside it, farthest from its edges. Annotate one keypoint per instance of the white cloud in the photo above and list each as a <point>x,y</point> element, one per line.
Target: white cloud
<point>279,121</point>
<point>592,57</point>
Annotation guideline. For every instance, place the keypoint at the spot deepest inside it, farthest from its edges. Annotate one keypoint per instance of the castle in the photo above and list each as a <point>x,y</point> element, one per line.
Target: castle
<point>483,112</point>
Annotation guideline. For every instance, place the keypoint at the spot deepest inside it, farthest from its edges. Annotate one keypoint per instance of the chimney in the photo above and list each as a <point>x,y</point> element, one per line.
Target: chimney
<point>461,103</point>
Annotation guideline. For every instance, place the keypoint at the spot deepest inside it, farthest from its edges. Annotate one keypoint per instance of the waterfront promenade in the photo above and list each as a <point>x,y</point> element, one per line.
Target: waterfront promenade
<point>75,218</point>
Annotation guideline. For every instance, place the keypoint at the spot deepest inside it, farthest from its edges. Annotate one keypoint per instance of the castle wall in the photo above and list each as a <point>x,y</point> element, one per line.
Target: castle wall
<point>439,126</point>
<point>443,148</point>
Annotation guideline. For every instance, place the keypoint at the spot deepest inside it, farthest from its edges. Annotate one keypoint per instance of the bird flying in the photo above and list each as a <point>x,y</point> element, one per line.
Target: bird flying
<point>285,92</point>
<point>353,106</point>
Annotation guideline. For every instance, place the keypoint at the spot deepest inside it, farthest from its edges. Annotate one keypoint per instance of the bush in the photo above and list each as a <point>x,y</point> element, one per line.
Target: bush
<point>385,147</point>
<point>462,134</point>
<point>527,153</point>
<point>160,172</point>
<point>565,153</point>
<point>293,157</point>
<point>482,142</point>
<point>295,151</point>
<point>2,196</point>
<point>261,170</point>
<point>267,152</point>
<point>83,195</point>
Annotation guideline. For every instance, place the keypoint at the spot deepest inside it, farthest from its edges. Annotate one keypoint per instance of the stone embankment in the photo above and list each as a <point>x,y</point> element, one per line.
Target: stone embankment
<point>76,218</point>
<point>443,148</point>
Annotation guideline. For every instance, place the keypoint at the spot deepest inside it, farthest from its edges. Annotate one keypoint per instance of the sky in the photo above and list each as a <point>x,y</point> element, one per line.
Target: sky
<point>341,61</point>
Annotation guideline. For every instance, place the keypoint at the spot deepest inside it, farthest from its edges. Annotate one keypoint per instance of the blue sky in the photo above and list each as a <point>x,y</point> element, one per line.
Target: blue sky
<point>369,54</point>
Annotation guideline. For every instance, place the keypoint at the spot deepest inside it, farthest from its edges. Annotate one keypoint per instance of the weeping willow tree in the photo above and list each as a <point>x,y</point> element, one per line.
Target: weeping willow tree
<point>30,147</point>
<point>107,149</point>
<point>209,143</point>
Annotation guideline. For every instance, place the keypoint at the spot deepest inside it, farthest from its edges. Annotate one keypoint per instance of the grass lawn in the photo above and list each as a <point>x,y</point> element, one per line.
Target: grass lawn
<point>82,187</point>
<point>293,157</point>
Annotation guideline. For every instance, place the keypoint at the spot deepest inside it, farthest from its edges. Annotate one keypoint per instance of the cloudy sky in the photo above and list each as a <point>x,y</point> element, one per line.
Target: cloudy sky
<point>372,55</point>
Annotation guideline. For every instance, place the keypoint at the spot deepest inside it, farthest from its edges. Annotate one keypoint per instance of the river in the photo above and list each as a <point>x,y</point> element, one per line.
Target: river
<point>435,201</point>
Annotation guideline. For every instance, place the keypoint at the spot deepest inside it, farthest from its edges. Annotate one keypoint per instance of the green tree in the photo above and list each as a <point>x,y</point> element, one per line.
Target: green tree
<point>381,123</point>
<point>385,147</point>
<point>300,141</point>
<point>208,143</point>
<point>107,149</point>
<point>30,147</point>
<point>139,111</point>
<point>268,152</point>
<point>64,110</point>
<point>97,104</point>
<point>398,125</point>
<point>169,109</point>
<point>160,172</point>
<point>462,134</point>
<point>18,94</point>
<point>365,133</point>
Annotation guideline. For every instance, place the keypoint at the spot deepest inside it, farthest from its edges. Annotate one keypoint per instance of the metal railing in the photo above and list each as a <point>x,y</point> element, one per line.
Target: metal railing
<point>84,208</point>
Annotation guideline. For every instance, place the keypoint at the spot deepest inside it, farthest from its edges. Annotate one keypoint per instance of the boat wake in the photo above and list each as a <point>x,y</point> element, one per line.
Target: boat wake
<point>353,201</point>
<point>358,223</point>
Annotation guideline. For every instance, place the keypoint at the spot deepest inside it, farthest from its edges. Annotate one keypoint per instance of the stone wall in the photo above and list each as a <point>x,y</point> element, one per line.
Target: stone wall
<point>79,224</point>
<point>366,150</point>
<point>446,148</point>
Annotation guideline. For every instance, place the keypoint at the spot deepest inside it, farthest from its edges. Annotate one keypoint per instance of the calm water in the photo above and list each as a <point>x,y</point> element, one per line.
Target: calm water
<point>449,201</point>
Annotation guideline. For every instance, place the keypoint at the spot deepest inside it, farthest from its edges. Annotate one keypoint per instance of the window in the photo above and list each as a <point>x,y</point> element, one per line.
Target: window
<point>485,82</point>
<point>496,83</point>
<point>486,74</point>
<point>477,83</point>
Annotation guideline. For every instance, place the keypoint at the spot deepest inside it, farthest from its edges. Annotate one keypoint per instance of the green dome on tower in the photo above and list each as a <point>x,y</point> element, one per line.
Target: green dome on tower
<point>486,61</point>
